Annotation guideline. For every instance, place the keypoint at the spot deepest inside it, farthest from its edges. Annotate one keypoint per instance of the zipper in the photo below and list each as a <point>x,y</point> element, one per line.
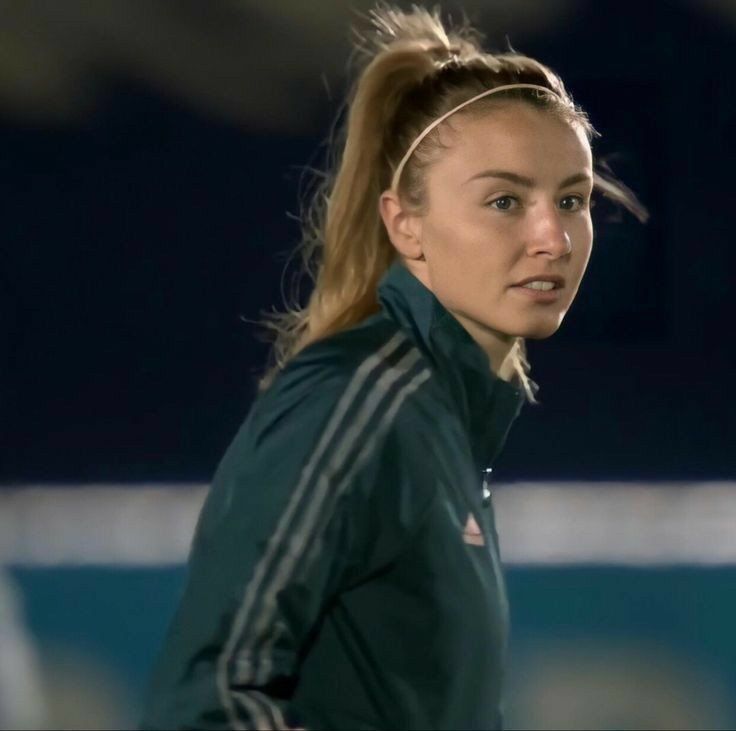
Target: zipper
<point>485,488</point>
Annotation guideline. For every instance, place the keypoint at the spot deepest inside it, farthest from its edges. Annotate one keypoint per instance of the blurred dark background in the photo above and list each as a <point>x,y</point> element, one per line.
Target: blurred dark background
<point>153,165</point>
<point>155,157</point>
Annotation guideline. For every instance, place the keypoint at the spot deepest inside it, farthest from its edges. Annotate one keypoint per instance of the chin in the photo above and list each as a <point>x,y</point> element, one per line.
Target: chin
<point>539,330</point>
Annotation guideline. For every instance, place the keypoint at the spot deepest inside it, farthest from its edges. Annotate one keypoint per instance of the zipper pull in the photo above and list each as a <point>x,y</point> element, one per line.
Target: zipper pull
<point>486,500</point>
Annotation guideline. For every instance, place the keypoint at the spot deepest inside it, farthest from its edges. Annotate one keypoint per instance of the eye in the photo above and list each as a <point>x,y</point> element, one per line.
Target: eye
<point>580,199</point>
<point>502,198</point>
<point>503,203</point>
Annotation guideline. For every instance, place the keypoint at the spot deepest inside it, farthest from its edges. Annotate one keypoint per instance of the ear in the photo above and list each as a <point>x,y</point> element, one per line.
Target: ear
<point>404,229</point>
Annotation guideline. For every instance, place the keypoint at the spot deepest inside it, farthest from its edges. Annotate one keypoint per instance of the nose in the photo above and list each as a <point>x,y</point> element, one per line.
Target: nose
<point>549,235</point>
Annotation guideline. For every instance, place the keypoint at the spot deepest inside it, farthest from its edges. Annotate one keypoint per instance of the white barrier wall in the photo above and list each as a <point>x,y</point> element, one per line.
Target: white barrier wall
<point>637,524</point>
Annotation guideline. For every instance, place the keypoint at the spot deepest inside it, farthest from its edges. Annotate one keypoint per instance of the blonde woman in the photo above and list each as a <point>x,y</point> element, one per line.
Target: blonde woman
<point>345,570</point>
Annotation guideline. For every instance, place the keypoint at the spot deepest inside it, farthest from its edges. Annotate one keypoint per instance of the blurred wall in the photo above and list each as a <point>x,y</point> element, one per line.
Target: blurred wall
<point>592,648</point>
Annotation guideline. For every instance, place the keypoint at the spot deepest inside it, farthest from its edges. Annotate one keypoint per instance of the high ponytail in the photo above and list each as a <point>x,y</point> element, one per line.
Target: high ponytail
<point>410,70</point>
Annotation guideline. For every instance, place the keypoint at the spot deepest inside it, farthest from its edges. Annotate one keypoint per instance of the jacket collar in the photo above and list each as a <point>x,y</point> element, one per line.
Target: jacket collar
<point>487,404</point>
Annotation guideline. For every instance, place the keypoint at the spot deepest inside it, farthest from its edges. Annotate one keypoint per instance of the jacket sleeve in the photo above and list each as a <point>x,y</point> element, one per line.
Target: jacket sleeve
<point>291,520</point>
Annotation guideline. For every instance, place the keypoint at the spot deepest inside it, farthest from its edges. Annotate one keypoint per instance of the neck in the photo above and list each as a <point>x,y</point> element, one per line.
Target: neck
<point>497,346</point>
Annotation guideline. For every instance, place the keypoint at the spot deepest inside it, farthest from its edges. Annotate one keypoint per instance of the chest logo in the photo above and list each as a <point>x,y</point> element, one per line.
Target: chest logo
<point>472,533</point>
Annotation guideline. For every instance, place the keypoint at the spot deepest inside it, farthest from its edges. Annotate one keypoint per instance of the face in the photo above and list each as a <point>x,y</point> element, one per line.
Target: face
<point>483,234</point>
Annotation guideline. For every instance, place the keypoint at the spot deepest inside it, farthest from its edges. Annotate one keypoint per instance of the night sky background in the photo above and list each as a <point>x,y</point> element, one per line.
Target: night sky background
<point>147,214</point>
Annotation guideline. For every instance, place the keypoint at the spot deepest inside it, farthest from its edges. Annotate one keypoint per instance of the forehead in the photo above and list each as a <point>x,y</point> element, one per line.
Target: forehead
<point>514,137</point>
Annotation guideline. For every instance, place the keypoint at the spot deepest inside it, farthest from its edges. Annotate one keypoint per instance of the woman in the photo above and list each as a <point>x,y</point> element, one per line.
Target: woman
<point>345,569</point>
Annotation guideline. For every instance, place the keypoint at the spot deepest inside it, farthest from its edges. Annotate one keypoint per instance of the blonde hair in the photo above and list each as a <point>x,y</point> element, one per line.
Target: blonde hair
<point>411,70</point>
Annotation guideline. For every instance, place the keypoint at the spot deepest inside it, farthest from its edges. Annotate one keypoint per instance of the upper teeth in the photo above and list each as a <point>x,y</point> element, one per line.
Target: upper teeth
<point>539,285</point>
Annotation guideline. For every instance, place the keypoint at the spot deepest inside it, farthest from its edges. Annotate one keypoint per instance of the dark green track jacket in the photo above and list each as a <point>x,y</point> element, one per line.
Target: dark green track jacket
<point>345,570</point>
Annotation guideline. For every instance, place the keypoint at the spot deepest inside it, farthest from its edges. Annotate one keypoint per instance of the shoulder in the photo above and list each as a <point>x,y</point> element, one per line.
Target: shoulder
<point>363,386</point>
<point>360,373</point>
<point>341,423</point>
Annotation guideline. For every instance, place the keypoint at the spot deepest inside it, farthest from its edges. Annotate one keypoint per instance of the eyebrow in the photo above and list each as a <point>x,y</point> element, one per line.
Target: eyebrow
<point>527,182</point>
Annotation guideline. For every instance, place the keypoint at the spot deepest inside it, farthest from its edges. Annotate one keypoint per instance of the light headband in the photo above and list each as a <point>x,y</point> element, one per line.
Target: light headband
<point>427,130</point>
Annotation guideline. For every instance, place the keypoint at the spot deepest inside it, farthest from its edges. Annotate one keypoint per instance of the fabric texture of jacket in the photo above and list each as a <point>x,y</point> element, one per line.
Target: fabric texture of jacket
<point>345,572</point>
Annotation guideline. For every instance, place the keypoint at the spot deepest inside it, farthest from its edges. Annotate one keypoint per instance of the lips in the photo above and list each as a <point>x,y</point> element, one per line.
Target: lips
<point>556,279</point>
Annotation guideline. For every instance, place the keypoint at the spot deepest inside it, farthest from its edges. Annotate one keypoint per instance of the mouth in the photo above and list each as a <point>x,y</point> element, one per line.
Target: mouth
<point>542,282</point>
<point>539,295</point>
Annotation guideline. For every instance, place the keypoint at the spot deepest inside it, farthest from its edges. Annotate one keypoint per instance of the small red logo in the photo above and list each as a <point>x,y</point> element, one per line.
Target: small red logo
<point>472,533</point>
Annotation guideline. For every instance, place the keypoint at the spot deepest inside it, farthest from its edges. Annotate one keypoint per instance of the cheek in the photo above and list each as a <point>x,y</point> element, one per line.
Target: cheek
<point>464,238</point>
<point>470,256</point>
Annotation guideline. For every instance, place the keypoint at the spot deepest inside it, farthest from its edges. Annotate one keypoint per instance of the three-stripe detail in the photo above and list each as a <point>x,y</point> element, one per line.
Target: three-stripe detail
<point>376,391</point>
